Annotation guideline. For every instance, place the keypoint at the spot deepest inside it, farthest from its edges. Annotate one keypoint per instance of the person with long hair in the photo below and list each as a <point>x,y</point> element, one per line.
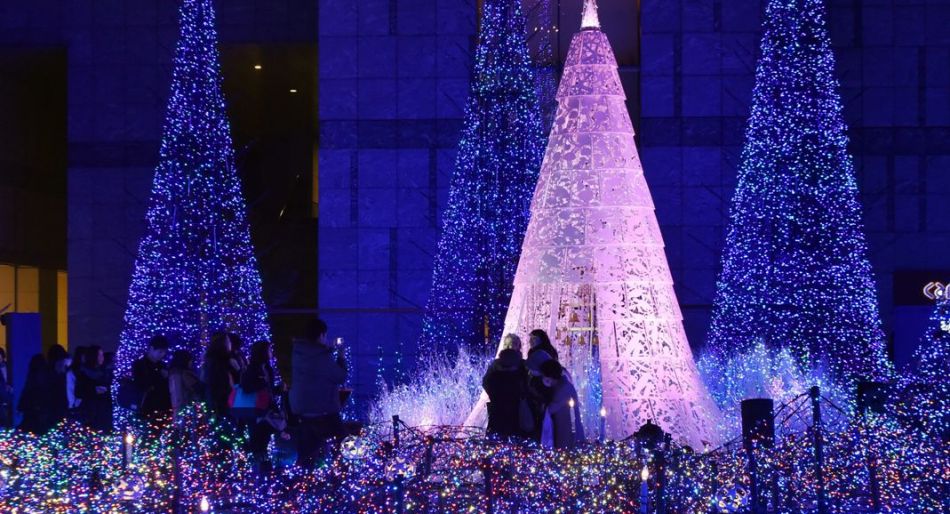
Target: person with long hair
<point>34,399</point>
<point>238,359</point>
<point>93,384</point>
<point>73,401</point>
<point>538,341</point>
<point>220,375</point>
<point>58,362</point>
<point>259,380</point>
<point>184,386</point>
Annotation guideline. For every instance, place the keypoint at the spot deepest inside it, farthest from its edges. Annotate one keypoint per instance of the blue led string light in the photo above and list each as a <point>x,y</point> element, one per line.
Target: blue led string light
<point>795,272</point>
<point>174,467</point>
<point>932,360</point>
<point>196,272</point>
<point>496,171</point>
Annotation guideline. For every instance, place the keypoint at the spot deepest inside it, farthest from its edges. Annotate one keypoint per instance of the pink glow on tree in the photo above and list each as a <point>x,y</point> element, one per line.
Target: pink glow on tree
<point>593,272</point>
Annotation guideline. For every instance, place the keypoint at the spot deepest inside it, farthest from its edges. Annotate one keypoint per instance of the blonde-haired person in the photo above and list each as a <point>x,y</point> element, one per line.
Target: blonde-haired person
<point>510,342</point>
<point>505,383</point>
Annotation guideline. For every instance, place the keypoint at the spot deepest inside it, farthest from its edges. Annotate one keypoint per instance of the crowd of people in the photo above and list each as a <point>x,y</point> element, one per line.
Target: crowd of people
<point>532,398</point>
<point>530,395</point>
<point>59,385</point>
<point>241,390</point>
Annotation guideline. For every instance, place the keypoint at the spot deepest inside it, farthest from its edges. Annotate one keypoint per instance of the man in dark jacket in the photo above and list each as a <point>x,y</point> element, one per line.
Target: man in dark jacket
<point>150,377</point>
<point>506,383</point>
<point>315,392</point>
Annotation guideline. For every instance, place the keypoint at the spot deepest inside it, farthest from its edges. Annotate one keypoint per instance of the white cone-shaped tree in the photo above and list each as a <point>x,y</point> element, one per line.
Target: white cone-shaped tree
<point>593,272</point>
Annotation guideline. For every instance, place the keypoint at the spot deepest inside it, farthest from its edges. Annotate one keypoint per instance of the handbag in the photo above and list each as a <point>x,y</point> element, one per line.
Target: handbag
<point>246,405</point>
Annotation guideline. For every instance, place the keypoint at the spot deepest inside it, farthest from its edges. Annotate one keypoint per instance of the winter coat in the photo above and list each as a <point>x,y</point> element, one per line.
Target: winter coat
<point>184,387</point>
<point>150,380</point>
<point>96,407</point>
<point>544,347</point>
<point>317,378</point>
<point>58,402</point>
<point>558,417</point>
<point>34,400</point>
<point>505,382</point>
<point>220,377</point>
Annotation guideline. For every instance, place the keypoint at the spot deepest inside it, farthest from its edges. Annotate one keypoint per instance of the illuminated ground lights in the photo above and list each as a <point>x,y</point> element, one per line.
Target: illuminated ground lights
<point>444,469</point>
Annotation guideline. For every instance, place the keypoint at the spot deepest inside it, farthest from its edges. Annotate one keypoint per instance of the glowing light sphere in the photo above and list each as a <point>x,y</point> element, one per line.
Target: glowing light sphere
<point>355,447</point>
<point>400,465</point>
<point>131,488</point>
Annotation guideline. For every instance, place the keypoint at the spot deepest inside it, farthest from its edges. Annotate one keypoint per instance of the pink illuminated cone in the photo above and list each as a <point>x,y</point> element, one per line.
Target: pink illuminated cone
<point>593,272</point>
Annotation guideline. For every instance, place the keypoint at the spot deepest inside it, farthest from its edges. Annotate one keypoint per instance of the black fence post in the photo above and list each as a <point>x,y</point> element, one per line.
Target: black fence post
<point>814,392</point>
<point>400,493</point>
<point>661,463</point>
<point>427,463</point>
<point>758,431</point>
<point>714,481</point>
<point>871,396</point>
<point>396,431</point>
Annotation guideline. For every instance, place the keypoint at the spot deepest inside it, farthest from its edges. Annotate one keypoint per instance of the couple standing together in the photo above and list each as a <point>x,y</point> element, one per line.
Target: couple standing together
<point>532,398</point>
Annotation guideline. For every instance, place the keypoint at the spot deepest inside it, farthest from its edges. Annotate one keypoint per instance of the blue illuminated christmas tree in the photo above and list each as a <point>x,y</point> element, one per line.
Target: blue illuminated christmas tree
<point>196,272</point>
<point>496,171</point>
<point>795,269</point>
<point>932,360</point>
<point>932,357</point>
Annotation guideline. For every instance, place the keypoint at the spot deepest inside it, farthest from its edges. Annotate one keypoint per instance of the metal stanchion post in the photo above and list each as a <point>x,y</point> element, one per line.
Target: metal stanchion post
<point>395,431</point>
<point>400,494</point>
<point>814,392</point>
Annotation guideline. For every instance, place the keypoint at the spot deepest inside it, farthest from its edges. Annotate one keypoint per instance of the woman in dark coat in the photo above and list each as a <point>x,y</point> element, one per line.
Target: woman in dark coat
<point>34,400</point>
<point>540,342</point>
<point>558,430</point>
<point>220,375</point>
<point>259,379</point>
<point>505,382</point>
<point>58,362</point>
<point>92,387</point>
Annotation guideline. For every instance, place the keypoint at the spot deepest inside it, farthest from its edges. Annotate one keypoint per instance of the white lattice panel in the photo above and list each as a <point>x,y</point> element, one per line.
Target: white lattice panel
<point>593,247</point>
